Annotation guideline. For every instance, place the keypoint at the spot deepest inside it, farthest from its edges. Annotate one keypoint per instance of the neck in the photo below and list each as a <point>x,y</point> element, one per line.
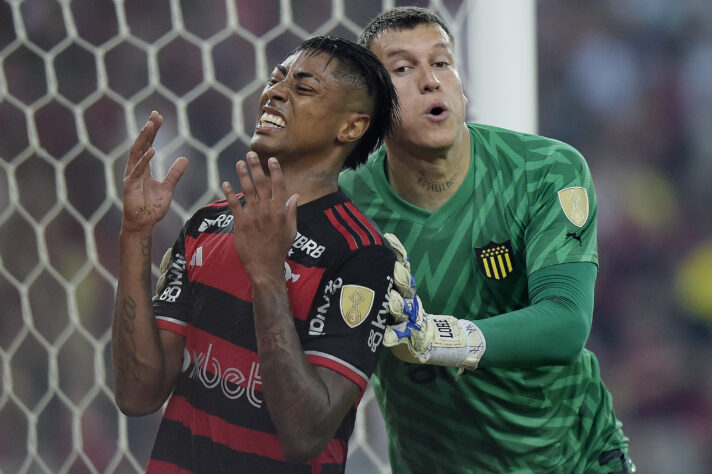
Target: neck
<point>310,181</point>
<point>427,178</point>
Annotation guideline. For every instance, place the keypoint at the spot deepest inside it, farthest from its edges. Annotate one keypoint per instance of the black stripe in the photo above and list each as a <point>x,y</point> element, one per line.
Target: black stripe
<point>359,222</point>
<point>347,226</point>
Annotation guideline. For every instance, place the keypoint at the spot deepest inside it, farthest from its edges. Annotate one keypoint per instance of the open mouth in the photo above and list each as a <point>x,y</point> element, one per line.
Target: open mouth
<point>436,111</point>
<point>271,120</point>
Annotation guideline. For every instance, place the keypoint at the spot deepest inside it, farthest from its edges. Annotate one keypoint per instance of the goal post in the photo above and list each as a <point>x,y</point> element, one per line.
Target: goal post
<point>78,78</point>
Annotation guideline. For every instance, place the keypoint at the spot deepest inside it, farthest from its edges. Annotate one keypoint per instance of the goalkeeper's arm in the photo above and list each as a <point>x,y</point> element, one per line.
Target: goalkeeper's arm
<point>551,331</point>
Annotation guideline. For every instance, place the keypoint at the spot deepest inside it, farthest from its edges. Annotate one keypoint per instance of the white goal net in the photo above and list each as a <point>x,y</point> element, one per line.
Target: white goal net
<point>77,80</point>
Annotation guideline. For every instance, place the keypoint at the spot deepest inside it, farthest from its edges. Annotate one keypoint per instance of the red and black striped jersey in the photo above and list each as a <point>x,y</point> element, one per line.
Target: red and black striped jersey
<point>338,275</point>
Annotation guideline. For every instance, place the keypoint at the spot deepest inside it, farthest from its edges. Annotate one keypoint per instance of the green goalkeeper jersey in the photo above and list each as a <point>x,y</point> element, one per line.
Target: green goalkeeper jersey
<point>527,203</point>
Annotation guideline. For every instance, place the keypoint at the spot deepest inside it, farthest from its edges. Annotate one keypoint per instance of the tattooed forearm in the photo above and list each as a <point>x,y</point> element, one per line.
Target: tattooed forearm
<point>126,348</point>
<point>146,246</point>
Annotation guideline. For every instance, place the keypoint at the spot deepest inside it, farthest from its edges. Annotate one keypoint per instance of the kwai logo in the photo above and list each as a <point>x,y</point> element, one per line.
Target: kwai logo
<point>208,370</point>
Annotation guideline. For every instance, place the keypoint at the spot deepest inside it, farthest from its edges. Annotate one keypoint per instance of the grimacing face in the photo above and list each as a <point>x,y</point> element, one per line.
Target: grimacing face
<point>422,67</point>
<point>301,108</point>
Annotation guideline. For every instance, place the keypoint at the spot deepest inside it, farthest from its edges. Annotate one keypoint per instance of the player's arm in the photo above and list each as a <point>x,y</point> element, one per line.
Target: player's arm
<point>306,404</point>
<point>551,331</point>
<point>146,361</point>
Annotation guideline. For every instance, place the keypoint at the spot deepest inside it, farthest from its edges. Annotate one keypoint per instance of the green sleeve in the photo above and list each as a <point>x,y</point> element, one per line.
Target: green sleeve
<point>551,331</point>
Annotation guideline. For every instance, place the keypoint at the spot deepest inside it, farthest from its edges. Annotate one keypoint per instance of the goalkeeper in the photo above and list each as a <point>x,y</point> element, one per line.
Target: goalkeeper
<point>500,228</point>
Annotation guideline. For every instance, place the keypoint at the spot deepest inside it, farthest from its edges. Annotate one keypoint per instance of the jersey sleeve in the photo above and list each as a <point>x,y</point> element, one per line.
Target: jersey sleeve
<point>171,302</point>
<point>348,318</point>
<point>562,209</point>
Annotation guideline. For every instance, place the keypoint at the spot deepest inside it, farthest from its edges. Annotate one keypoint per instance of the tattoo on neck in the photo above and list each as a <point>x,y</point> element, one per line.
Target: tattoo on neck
<point>320,179</point>
<point>437,187</point>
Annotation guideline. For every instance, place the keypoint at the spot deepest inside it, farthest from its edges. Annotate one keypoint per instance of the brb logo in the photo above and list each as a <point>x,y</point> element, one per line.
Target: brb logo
<point>230,380</point>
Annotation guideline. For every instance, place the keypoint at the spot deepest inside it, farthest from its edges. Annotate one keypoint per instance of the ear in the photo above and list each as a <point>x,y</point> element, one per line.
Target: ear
<point>354,128</point>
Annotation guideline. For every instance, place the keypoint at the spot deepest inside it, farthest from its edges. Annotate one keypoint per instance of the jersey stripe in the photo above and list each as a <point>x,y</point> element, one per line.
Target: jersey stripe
<point>337,225</point>
<point>353,225</point>
<point>338,365</point>
<point>242,439</point>
<point>364,222</point>
<point>171,324</point>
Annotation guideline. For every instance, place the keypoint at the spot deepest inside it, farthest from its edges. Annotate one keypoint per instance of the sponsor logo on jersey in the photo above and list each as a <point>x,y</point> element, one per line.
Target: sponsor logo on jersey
<point>168,287</point>
<point>356,302</point>
<point>375,337</point>
<point>495,260</point>
<point>306,245</point>
<point>197,259</point>
<point>288,275</point>
<point>222,221</point>
<point>574,202</point>
<point>316,324</point>
<point>231,381</point>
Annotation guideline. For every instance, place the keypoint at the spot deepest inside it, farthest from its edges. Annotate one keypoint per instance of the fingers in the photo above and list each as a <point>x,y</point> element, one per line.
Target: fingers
<point>176,172</point>
<point>144,141</point>
<point>261,186</point>
<point>231,198</point>
<point>279,188</point>
<point>248,189</point>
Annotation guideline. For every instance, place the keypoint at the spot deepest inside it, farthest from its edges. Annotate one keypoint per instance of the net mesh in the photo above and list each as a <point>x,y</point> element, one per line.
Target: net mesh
<point>77,81</point>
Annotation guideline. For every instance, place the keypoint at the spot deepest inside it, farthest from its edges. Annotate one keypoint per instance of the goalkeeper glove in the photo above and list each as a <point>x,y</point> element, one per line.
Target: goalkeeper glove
<point>421,338</point>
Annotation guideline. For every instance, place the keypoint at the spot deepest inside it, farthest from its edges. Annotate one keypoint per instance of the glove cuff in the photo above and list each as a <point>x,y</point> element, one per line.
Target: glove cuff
<point>456,342</point>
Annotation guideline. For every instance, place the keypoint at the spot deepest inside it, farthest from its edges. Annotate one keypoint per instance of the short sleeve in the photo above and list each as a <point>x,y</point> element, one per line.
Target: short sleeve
<point>346,325</point>
<point>171,303</point>
<point>562,210</point>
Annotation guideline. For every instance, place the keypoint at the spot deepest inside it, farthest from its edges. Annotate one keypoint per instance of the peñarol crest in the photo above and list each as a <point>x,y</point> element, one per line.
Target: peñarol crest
<point>496,259</point>
<point>574,202</point>
<point>356,302</point>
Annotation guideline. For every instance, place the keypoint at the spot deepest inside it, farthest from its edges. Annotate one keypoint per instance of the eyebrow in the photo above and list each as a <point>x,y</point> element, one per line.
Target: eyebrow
<point>398,52</point>
<point>298,74</point>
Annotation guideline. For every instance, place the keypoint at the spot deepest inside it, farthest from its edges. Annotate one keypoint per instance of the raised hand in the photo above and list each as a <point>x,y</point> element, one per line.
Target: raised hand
<point>146,200</point>
<point>267,225</point>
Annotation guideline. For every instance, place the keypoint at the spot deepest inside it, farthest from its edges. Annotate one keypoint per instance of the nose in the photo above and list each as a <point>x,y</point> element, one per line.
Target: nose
<point>429,80</point>
<point>276,92</point>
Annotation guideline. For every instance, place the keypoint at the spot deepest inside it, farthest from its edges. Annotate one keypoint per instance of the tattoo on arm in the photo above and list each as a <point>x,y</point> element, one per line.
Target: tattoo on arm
<point>126,353</point>
<point>146,246</point>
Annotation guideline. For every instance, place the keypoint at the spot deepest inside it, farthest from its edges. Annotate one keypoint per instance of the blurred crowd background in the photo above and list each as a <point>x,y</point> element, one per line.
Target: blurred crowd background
<point>627,82</point>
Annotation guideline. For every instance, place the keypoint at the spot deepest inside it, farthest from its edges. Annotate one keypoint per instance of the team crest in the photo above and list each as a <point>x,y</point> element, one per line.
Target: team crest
<point>574,202</point>
<point>356,302</point>
<point>496,260</point>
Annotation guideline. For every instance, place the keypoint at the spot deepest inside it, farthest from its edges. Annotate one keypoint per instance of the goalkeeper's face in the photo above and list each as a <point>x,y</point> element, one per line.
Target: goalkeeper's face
<point>303,109</point>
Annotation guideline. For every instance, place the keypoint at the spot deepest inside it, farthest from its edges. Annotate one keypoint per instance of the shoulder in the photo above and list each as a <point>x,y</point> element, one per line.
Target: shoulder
<point>534,152</point>
<point>214,216</point>
<point>352,228</point>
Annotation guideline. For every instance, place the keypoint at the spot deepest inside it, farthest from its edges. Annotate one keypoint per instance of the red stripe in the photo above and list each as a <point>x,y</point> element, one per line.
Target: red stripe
<point>223,270</point>
<point>364,221</point>
<point>163,467</point>
<point>336,367</point>
<point>355,227</point>
<point>172,327</point>
<point>240,438</point>
<point>337,225</point>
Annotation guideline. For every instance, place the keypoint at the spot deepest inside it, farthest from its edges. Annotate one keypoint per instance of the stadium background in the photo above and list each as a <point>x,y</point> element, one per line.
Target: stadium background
<point>628,82</point>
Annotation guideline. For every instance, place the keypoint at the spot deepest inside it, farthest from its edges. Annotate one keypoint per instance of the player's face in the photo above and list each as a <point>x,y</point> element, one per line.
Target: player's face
<point>422,66</point>
<point>301,109</point>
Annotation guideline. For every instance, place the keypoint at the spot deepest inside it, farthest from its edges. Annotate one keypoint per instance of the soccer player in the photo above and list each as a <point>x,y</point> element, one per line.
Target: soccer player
<point>500,228</point>
<point>271,307</point>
